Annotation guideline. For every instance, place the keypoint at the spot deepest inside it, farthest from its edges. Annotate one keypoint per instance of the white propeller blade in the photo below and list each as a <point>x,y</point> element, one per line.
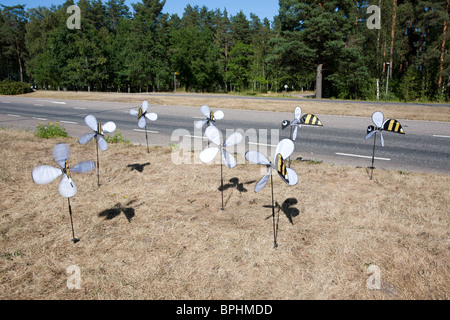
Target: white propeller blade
<point>218,115</point>
<point>263,181</point>
<point>134,112</point>
<point>86,138</point>
<point>257,157</point>
<point>208,155</point>
<point>83,167</point>
<point>102,143</point>
<point>285,147</point>
<point>91,122</point>
<point>151,116</point>
<point>228,159</point>
<point>233,139</point>
<point>141,122</point>
<point>297,113</point>
<point>109,127</point>
<point>294,133</point>
<point>382,139</point>
<point>200,124</point>
<point>370,134</point>
<point>61,153</point>
<point>45,174</point>
<point>144,106</point>
<point>213,134</point>
<point>378,118</point>
<point>205,110</point>
<point>66,187</point>
<point>292,176</point>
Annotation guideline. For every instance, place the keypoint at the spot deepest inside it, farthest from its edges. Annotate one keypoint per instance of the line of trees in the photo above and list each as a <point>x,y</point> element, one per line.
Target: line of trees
<point>321,45</point>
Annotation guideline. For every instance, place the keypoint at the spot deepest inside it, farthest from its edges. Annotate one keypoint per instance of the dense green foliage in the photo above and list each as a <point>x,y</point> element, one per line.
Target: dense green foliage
<point>50,130</point>
<point>10,87</point>
<point>322,45</point>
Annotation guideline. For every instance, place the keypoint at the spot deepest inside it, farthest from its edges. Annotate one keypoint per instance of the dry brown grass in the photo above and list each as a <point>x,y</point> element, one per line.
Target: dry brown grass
<point>178,244</point>
<point>397,111</point>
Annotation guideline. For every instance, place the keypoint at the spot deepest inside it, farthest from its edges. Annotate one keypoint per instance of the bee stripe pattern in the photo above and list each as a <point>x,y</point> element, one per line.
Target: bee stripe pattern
<point>140,113</point>
<point>394,126</point>
<point>310,119</point>
<point>282,166</point>
<point>99,128</point>
<point>211,116</point>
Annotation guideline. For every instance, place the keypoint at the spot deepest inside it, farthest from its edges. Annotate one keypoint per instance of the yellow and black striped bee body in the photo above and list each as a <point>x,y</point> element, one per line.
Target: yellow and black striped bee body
<point>311,120</point>
<point>281,167</point>
<point>140,113</point>
<point>99,128</point>
<point>393,125</point>
<point>211,116</point>
<point>66,171</point>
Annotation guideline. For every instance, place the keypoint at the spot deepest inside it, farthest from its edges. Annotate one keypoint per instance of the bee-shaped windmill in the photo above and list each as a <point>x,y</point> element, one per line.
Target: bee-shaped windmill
<point>390,125</point>
<point>211,117</point>
<point>208,155</point>
<point>299,120</point>
<point>45,174</point>
<point>283,151</point>
<point>98,134</point>
<point>142,116</point>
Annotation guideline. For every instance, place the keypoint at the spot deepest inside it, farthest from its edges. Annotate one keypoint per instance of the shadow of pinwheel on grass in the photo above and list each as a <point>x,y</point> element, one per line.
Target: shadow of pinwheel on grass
<point>110,214</point>
<point>287,209</point>
<point>138,167</point>
<point>234,183</point>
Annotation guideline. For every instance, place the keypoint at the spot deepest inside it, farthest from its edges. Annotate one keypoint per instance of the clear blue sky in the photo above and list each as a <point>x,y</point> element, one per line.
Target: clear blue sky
<point>262,8</point>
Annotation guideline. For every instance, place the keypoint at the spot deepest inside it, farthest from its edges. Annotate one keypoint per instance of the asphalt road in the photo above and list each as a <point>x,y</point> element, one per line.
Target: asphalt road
<point>425,147</point>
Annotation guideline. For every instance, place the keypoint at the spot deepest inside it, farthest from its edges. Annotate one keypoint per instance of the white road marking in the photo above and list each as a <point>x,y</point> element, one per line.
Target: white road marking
<point>263,144</point>
<point>439,136</point>
<point>14,115</point>
<point>42,119</point>
<point>57,102</point>
<point>79,108</point>
<point>38,105</point>
<point>359,156</point>
<point>149,131</point>
<point>69,122</point>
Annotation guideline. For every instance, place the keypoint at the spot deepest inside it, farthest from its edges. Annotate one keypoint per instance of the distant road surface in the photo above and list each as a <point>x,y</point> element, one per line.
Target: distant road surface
<point>425,147</point>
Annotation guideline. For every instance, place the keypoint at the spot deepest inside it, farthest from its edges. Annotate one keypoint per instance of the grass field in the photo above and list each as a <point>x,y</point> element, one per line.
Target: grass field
<point>397,111</point>
<point>154,230</point>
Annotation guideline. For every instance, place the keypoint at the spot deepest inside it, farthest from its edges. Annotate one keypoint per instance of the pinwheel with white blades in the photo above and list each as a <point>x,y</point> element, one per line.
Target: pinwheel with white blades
<point>390,125</point>
<point>98,134</point>
<point>283,151</point>
<point>45,174</point>
<point>208,155</point>
<point>142,116</point>
<point>211,117</point>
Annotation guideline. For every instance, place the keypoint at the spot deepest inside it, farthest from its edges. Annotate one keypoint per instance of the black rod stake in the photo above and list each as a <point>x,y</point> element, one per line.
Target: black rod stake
<point>221,179</point>
<point>98,164</point>
<point>275,244</point>
<point>75,240</point>
<point>373,154</point>
<point>146,138</point>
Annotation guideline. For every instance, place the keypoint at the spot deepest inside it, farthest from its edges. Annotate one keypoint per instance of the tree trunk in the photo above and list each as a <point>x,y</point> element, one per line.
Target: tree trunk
<point>20,61</point>
<point>441,60</point>
<point>319,81</point>
<point>391,60</point>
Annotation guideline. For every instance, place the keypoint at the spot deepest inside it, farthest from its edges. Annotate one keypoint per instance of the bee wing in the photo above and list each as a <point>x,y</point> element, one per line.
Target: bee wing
<point>377,118</point>
<point>297,113</point>
<point>45,174</point>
